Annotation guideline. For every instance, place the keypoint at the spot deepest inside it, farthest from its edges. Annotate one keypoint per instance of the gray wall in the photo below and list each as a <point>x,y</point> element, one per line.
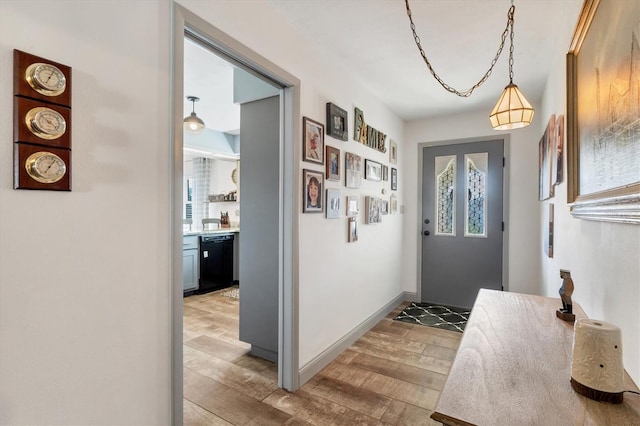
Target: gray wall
<point>259,223</point>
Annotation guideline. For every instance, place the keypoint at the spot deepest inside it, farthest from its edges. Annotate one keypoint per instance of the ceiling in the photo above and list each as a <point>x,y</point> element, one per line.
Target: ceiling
<point>210,78</point>
<point>372,40</point>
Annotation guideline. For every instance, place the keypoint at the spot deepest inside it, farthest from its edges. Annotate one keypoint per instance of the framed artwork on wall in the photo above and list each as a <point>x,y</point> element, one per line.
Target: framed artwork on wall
<point>352,170</point>
<point>353,205</point>
<point>337,120</point>
<point>334,203</point>
<point>353,230</point>
<point>333,163</point>
<point>393,151</point>
<point>373,209</point>
<point>313,185</point>
<point>545,158</point>
<point>313,141</point>
<point>548,243</point>
<point>603,138</point>
<point>372,170</point>
<point>558,147</point>
<point>394,179</point>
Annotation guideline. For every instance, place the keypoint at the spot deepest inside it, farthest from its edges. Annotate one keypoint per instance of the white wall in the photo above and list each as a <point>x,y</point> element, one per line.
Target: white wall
<point>340,284</point>
<point>84,275</point>
<point>604,258</point>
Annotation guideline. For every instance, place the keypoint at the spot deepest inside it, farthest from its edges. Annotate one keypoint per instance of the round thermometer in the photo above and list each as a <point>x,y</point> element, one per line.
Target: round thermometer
<point>45,123</point>
<point>46,79</point>
<point>45,167</point>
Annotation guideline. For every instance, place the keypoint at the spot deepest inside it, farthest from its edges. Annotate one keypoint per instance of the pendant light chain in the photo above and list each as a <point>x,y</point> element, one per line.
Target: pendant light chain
<point>468,92</point>
<point>510,15</point>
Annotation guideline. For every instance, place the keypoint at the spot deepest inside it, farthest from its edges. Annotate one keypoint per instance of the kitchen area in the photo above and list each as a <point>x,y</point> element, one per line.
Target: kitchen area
<point>226,106</point>
<point>211,172</point>
<point>211,225</point>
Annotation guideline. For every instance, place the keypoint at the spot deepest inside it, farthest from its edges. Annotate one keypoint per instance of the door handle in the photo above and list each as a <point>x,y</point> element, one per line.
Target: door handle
<point>426,233</point>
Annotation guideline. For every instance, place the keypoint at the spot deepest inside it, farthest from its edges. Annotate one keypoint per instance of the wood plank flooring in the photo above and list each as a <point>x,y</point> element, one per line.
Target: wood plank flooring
<point>393,375</point>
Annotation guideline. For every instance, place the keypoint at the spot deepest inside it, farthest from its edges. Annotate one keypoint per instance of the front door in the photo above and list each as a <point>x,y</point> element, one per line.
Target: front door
<point>461,221</point>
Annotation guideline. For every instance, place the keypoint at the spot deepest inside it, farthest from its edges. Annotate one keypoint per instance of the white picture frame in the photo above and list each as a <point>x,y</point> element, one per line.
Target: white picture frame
<point>334,203</point>
<point>353,205</point>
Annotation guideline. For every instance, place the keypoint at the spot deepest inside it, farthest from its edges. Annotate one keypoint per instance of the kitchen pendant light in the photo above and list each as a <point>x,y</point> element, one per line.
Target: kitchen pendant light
<point>512,110</point>
<point>193,123</point>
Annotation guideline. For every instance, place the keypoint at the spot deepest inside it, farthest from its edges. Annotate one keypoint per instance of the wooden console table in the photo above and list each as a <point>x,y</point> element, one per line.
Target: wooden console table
<point>513,367</point>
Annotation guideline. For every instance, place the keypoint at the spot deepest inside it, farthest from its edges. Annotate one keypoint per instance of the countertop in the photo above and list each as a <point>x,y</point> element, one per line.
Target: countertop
<point>211,232</point>
<point>513,367</point>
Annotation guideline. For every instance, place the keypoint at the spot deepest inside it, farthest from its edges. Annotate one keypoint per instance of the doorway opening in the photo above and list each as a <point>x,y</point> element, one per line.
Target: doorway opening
<point>284,102</point>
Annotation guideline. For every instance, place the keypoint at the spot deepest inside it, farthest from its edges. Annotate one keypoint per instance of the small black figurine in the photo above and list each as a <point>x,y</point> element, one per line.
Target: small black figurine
<point>566,290</point>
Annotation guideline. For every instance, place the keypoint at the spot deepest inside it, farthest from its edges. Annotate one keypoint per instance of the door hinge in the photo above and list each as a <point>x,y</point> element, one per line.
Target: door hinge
<point>502,226</point>
<point>503,161</point>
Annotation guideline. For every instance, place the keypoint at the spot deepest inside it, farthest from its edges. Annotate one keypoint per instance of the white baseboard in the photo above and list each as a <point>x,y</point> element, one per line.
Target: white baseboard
<point>314,366</point>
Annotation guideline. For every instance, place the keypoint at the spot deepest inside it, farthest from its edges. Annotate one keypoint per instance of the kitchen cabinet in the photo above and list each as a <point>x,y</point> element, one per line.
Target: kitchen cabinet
<point>190,260</point>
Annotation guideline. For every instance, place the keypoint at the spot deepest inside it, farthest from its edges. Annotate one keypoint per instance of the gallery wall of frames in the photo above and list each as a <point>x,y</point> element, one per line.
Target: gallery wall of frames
<point>344,171</point>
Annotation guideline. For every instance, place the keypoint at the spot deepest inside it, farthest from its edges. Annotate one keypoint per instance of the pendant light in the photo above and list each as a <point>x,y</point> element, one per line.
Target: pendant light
<point>512,111</point>
<point>193,123</point>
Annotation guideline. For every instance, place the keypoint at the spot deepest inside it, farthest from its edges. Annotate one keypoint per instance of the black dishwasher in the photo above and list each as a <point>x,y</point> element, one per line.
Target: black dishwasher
<point>216,262</point>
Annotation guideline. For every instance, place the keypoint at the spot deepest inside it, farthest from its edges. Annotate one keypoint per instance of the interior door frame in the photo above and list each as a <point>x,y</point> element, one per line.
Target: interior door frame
<point>235,52</point>
<point>505,203</point>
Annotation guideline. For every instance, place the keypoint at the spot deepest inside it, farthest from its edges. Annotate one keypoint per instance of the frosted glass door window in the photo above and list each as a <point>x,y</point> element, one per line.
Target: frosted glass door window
<point>475,203</point>
<point>445,171</point>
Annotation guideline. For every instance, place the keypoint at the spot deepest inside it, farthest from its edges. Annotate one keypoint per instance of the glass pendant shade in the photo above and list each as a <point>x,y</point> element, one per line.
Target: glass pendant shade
<point>193,123</point>
<point>512,110</point>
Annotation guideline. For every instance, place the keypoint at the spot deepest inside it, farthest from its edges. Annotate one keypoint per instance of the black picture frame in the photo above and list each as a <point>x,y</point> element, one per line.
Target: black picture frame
<point>372,170</point>
<point>337,122</point>
<point>394,179</point>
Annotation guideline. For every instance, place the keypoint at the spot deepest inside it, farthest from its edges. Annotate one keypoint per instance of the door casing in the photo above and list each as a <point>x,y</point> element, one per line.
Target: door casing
<point>235,52</point>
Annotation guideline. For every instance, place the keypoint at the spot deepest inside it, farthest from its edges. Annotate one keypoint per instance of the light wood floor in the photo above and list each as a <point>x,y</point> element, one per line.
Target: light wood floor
<point>391,376</point>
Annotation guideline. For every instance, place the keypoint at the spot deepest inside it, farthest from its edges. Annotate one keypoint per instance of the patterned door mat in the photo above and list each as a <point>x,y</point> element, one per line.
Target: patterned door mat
<point>439,316</point>
<point>234,293</point>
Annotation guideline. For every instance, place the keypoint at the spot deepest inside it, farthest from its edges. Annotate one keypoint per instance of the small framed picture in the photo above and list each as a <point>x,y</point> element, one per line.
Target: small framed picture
<point>334,203</point>
<point>352,170</point>
<point>372,170</point>
<point>353,207</point>
<point>313,140</point>
<point>385,173</point>
<point>333,163</point>
<point>313,183</point>
<point>353,230</point>
<point>337,122</point>
<point>393,152</point>
<point>394,179</point>
<point>384,207</point>
<point>373,207</point>
<point>393,204</point>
